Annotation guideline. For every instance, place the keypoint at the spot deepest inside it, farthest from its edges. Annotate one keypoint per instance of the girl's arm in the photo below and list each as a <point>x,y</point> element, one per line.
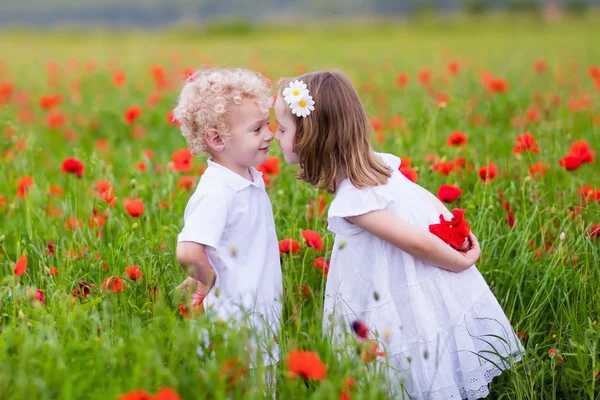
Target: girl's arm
<point>417,242</point>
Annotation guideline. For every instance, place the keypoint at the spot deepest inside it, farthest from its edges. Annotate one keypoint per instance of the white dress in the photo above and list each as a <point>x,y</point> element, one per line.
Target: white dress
<point>445,335</point>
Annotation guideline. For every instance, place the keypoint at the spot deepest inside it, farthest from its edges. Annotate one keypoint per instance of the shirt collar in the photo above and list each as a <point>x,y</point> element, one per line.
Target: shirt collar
<point>233,180</point>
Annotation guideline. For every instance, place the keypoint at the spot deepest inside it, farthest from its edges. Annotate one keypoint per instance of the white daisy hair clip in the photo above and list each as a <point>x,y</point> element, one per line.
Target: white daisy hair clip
<point>299,99</point>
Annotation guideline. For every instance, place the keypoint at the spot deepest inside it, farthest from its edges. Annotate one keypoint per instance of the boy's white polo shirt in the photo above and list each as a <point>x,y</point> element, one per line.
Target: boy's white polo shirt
<point>233,217</point>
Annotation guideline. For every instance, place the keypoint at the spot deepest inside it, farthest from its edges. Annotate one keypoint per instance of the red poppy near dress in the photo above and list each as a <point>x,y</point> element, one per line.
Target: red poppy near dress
<point>114,284</point>
<point>182,160</point>
<point>21,265</point>
<point>132,114</point>
<point>449,193</point>
<point>312,239</point>
<point>488,173</point>
<point>316,207</point>
<point>455,231</point>
<point>409,173</point>
<point>289,246</point>
<point>457,138</point>
<point>73,166</point>
<point>322,263</point>
<point>368,351</point>
<point>360,329</point>
<point>526,142</point>
<point>133,272</point>
<point>134,208</point>
<point>306,364</point>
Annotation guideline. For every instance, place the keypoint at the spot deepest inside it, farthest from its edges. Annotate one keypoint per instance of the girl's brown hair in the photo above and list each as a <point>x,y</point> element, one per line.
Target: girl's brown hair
<point>334,140</point>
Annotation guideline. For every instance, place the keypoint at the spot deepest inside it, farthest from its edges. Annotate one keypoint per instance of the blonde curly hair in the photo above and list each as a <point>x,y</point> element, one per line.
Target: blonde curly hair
<point>207,97</point>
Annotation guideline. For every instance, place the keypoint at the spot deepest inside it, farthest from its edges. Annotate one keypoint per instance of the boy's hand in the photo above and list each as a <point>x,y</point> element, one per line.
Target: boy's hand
<point>197,289</point>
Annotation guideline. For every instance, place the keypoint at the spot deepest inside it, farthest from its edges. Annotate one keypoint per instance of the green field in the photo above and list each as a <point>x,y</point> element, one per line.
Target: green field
<point>87,342</point>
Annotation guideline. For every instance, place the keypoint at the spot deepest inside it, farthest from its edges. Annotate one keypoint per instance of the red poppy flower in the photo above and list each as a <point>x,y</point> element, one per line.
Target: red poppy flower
<point>119,78</point>
<point>488,173</point>
<point>581,149</point>
<point>73,166</point>
<point>368,351</point>
<point>526,142</point>
<point>306,364</point>
<point>135,208</point>
<point>316,207</point>
<point>424,76</point>
<point>453,232</point>
<point>540,66</point>
<point>409,173</point>
<point>73,223</point>
<point>271,166</point>
<point>402,79</point>
<point>322,263</point>
<point>115,284</point>
<point>53,271</point>
<point>232,370</point>
<point>83,289</point>
<point>289,246</point>
<point>570,162</point>
<point>182,160</point>
<point>24,184</point>
<point>538,169</point>
<point>449,193</point>
<point>312,239</point>
<point>133,272</point>
<point>50,101</point>
<point>445,167</point>
<point>132,114</point>
<point>39,295</point>
<point>457,138</point>
<point>360,329</point>
<point>136,395</point>
<point>21,265</point>
<point>55,120</point>
<point>594,231</point>
<point>186,182</point>
<point>454,67</point>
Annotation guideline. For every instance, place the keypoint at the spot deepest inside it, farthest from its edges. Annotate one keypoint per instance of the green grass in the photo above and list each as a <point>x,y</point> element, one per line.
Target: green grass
<point>108,344</point>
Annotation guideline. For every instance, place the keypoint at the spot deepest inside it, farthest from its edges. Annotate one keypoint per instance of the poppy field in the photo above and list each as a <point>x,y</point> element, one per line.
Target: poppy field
<point>502,121</point>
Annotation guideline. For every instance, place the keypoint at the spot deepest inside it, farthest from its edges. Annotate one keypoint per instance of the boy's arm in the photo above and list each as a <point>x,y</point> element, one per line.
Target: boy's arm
<point>193,259</point>
<point>414,240</point>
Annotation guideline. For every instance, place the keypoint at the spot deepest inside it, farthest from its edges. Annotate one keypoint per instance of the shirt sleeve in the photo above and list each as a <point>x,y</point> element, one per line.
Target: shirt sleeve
<point>353,201</point>
<point>205,218</point>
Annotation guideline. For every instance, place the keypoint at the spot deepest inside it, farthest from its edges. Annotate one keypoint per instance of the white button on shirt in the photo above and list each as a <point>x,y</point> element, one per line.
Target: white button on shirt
<point>233,217</point>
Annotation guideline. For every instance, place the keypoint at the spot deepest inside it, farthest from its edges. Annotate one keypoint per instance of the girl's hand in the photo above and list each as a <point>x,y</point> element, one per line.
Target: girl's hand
<point>474,252</point>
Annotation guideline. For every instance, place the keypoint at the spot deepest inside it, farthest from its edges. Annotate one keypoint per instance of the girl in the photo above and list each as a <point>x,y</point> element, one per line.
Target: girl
<point>445,335</point>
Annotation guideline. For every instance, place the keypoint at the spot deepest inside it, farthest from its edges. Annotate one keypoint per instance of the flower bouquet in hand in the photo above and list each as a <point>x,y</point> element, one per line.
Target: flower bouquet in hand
<point>455,232</point>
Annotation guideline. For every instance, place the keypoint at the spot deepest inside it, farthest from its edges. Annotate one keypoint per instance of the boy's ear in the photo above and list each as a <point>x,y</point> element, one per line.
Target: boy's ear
<point>214,140</point>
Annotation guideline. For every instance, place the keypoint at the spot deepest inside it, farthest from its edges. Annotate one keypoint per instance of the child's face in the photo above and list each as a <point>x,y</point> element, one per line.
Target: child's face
<point>250,135</point>
<point>286,131</point>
